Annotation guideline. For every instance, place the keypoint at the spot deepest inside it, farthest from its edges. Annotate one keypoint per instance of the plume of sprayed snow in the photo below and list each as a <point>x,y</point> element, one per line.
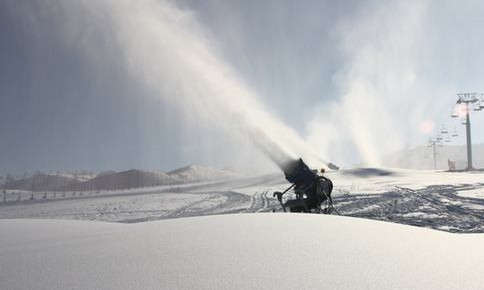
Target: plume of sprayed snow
<point>166,50</point>
<point>377,84</point>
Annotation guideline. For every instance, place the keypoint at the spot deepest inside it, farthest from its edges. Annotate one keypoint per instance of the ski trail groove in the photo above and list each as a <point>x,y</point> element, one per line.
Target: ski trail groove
<point>215,203</point>
<point>437,207</point>
<point>260,202</point>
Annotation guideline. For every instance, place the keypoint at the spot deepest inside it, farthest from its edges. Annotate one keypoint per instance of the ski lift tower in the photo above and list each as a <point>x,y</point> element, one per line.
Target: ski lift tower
<point>433,143</point>
<point>467,99</point>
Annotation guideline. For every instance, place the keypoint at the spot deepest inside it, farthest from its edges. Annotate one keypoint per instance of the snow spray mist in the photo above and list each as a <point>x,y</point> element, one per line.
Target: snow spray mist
<point>164,48</point>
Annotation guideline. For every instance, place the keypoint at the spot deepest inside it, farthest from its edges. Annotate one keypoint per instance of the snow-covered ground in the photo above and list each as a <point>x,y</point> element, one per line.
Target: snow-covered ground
<point>248,251</point>
<point>435,199</point>
<point>45,245</point>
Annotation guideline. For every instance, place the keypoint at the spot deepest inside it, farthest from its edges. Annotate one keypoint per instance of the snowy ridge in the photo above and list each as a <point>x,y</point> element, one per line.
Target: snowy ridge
<point>195,173</point>
<point>42,181</point>
<point>79,176</point>
<point>126,179</point>
<point>113,180</point>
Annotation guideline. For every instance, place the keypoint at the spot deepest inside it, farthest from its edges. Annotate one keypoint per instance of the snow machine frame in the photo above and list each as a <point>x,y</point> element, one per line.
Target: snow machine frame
<point>312,191</point>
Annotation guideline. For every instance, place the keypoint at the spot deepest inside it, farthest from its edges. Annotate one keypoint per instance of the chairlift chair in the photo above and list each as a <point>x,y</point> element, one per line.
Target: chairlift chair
<point>455,133</point>
<point>444,130</point>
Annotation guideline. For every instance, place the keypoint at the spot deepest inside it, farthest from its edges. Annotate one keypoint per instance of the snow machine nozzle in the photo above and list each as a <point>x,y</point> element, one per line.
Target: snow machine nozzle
<point>298,172</point>
<point>311,189</point>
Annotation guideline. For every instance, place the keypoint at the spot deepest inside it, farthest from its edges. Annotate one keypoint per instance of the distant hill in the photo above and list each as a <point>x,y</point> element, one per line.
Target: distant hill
<point>421,157</point>
<point>196,173</point>
<point>126,179</point>
<point>42,181</point>
<point>81,176</point>
<point>139,178</point>
<point>117,180</point>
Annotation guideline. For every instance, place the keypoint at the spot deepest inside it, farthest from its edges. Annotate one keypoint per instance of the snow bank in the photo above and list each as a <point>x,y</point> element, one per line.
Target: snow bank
<point>256,251</point>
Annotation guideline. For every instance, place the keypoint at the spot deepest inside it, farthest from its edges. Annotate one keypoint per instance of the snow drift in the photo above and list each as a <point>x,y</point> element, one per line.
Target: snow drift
<point>257,251</point>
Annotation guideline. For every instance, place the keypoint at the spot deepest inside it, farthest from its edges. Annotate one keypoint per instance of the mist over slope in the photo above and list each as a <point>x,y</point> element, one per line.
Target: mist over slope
<point>421,157</point>
<point>193,173</point>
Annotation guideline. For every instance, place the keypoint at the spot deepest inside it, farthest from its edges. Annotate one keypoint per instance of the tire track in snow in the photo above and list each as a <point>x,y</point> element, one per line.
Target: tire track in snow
<point>260,202</point>
<point>215,203</point>
<point>436,207</point>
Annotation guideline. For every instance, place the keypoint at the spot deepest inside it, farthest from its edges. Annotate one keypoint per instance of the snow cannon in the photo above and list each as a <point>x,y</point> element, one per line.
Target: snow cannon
<point>310,188</point>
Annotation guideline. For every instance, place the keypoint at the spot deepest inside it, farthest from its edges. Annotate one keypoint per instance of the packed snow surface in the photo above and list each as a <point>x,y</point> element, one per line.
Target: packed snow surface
<point>251,251</point>
<point>435,199</point>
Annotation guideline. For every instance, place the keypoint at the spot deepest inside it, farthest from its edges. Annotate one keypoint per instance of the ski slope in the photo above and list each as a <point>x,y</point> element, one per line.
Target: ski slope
<point>194,236</point>
<point>242,251</point>
<point>445,201</point>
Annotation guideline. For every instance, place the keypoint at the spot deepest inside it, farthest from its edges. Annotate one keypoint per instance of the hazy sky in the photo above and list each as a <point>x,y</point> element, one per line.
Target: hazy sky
<point>355,79</point>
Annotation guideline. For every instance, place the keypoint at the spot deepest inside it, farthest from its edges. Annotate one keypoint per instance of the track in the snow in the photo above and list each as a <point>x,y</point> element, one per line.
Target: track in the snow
<point>260,202</point>
<point>436,207</point>
<point>218,203</point>
<point>214,203</point>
